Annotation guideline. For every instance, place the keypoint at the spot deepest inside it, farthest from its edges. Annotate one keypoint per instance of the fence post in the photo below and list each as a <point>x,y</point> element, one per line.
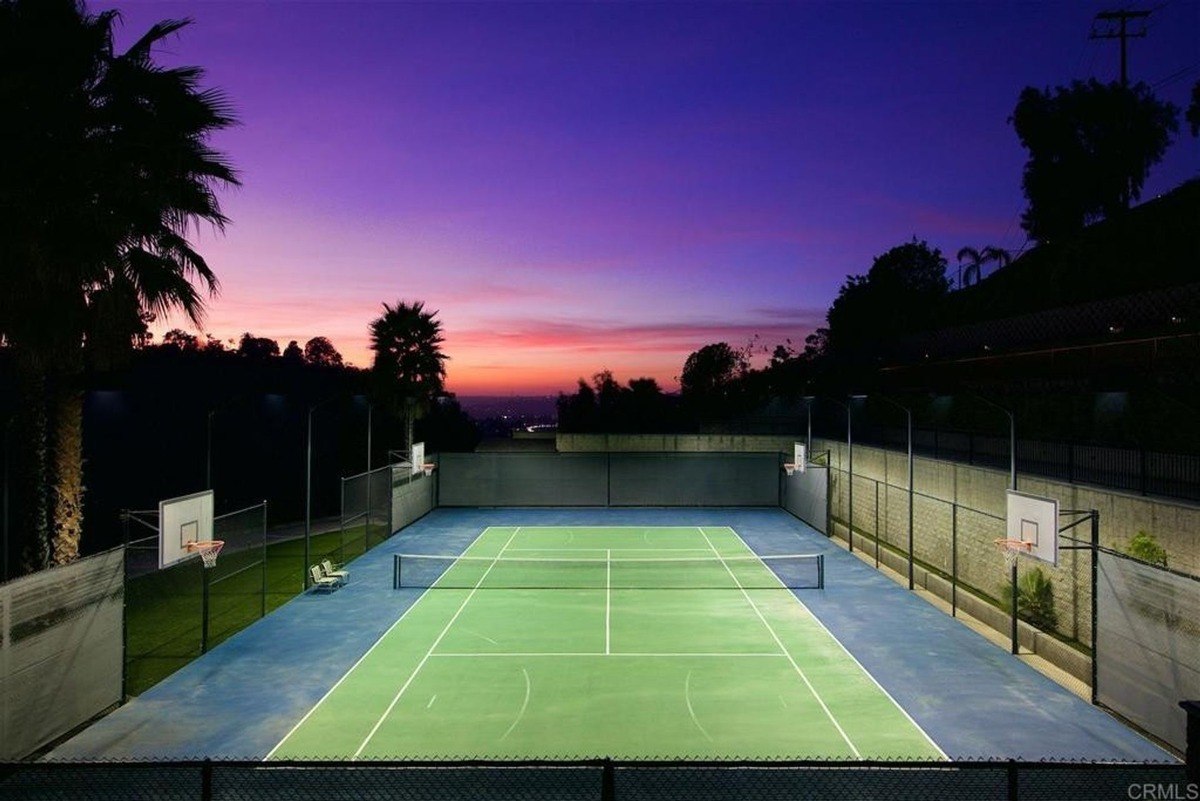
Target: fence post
<point>206,777</point>
<point>264,558</point>
<point>124,605</point>
<point>953,559</point>
<point>608,789</point>
<point>876,525</point>
<point>1013,781</point>
<point>1193,739</point>
<point>1095,605</point>
<point>342,526</point>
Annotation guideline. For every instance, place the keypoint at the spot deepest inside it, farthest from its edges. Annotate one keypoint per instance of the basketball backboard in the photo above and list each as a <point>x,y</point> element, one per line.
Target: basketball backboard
<point>188,518</point>
<point>1034,519</point>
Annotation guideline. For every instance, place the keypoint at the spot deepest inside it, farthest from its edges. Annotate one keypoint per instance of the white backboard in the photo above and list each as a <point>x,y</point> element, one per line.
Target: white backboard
<point>800,457</point>
<point>1034,519</point>
<point>188,518</point>
<point>418,456</point>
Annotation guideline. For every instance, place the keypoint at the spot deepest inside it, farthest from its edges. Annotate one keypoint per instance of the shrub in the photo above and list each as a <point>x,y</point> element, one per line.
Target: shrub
<point>1144,546</point>
<point>1035,599</point>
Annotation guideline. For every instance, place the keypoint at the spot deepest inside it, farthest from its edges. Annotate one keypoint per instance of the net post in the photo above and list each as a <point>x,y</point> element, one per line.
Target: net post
<point>395,571</point>
<point>820,571</point>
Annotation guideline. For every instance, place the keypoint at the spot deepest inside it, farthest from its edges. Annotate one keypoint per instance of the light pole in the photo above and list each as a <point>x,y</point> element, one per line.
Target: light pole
<point>808,399</point>
<point>1012,438</point>
<point>1012,485</point>
<point>908,416</point>
<point>308,455</point>
<point>849,471</point>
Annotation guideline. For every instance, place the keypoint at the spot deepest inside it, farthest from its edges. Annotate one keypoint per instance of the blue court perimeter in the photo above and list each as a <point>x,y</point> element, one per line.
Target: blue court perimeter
<point>973,699</point>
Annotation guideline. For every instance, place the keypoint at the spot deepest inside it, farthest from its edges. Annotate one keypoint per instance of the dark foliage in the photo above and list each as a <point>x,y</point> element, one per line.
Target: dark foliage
<point>1090,146</point>
<point>897,296</point>
<point>607,407</point>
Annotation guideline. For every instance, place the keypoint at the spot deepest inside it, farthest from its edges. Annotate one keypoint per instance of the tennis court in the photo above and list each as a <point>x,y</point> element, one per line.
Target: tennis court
<point>624,642</point>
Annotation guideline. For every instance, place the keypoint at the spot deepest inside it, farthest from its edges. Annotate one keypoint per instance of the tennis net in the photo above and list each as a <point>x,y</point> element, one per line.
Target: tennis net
<point>792,571</point>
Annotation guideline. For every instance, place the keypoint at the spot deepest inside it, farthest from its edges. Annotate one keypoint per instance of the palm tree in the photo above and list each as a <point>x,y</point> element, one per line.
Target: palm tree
<point>971,263</point>
<point>409,368</point>
<point>974,263</point>
<point>998,256</point>
<point>104,168</point>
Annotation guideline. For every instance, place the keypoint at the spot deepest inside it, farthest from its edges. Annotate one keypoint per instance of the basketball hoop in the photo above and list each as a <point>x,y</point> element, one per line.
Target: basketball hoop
<point>208,550</point>
<point>429,467</point>
<point>1012,549</point>
<point>789,468</point>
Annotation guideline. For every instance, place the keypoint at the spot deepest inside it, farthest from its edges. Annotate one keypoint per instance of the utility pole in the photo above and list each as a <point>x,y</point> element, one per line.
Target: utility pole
<point>1117,27</point>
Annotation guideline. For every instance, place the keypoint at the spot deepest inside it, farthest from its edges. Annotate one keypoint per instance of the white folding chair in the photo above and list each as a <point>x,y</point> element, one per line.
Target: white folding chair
<point>321,582</point>
<point>341,575</point>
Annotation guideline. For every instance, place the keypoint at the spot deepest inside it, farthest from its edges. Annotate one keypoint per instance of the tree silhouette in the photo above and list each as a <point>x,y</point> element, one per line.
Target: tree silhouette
<point>710,375</point>
<point>293,353</point>
<point>971,263</point>
<point>897,296</point>
<point>105,169</point>
<point>320,352</point>
<point>1090,146</point>
<point>257,348</point>
<point>181,340</point>
<point>409,366</point>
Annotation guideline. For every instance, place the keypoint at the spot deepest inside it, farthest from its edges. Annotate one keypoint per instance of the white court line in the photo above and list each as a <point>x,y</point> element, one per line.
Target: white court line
<point>608,602</point>
<point>466,560</point>
<point>687,696</point>
<point>424,659</point>
<point>779,642</point>
<point>374,645</point>
<point>602,550</point>
<point>656,655</point>
<point>841,645</point>
<point>524,704</point>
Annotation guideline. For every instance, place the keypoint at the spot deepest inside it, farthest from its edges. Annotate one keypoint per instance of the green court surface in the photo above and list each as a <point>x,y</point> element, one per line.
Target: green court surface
<point>629,643</point>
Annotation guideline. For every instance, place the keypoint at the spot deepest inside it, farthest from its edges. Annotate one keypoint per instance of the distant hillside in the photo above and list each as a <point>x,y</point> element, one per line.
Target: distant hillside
<point>482,407</point>
<point>1155,245</point>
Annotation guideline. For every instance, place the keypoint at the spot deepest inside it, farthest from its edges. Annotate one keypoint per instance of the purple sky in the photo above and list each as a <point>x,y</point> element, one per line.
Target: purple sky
<point>586,186</point>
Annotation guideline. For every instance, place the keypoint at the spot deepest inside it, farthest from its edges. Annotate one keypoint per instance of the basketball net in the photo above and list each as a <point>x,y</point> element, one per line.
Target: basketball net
<point>208,550</point>
<point>1012,549</point>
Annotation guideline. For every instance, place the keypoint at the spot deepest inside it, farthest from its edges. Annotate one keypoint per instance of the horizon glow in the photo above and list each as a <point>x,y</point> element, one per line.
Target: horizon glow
<point>613,186</point>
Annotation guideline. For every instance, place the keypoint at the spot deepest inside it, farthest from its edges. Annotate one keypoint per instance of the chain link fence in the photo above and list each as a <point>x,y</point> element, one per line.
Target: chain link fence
<point>955,557</point>
<point>165,624</point>
<point>366,518</point>
<point>593,781</point>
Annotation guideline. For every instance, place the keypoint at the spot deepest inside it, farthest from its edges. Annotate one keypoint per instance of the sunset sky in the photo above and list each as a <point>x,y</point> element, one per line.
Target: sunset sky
<point>586,186</point>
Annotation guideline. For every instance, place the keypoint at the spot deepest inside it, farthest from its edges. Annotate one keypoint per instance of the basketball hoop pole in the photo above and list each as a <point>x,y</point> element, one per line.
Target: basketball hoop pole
<point>1016,644</point>
<point>204,613</point>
